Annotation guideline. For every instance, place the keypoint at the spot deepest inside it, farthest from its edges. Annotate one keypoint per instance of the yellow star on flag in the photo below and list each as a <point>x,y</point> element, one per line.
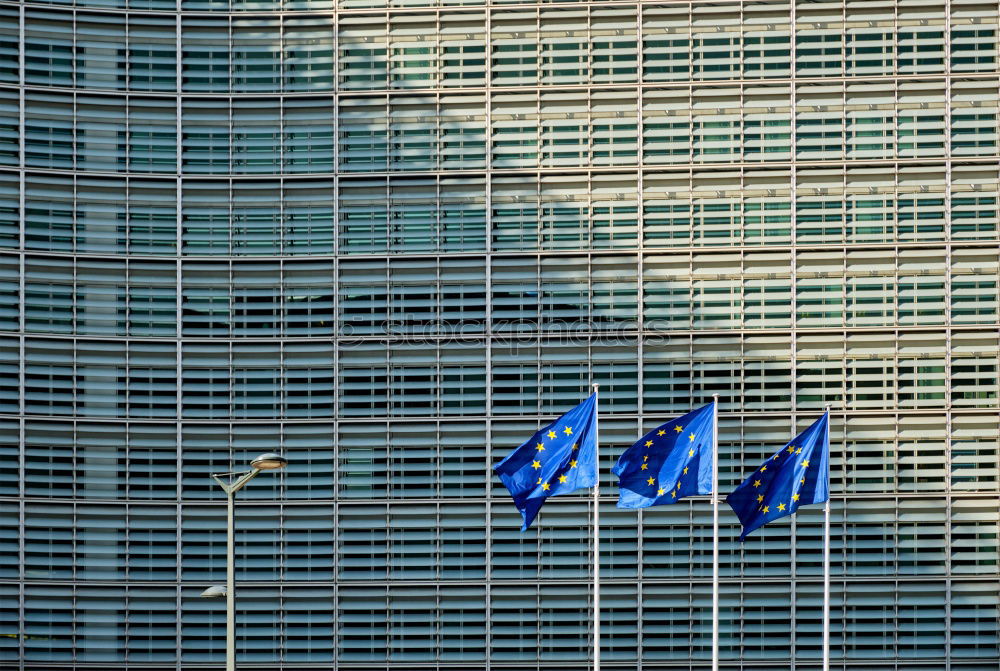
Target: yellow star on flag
<point>660,432</point>
<point>545,487</point>
<point>765,509</point>
<point>572,464</point>
<point>791,448</point>
<point>685,470</point>
<point>690,453</point>
<point>678,428</point>
<point>760,498</point>
<point>781,507</point>
<point>673,494</point>
<point>798,451</point>
<point>661,491</point>
<point>551,434</point>
<point>795,497</point>
<point>568,430</point>
<point>756,483</point>
<point>649,443</point>
<point>691,437</point>
<point>536,465</point>
<point>540,447</point>
<point>805,462</point>
<point>650,481</point>
<point>563,478</point>
<point>576,446</point>
<point>644,467</point>
<point>763,468</point>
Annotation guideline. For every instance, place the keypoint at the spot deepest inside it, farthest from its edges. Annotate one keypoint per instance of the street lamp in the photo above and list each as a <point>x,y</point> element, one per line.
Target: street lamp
<point>265,462</point>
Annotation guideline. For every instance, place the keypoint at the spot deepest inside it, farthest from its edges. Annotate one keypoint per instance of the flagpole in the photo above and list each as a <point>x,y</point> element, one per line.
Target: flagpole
<point>826,559</point>
<point>715,532</point>
<point>596,560</point>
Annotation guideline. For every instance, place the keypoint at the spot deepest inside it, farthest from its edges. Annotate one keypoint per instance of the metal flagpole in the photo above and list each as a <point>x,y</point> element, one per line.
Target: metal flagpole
<point>715,532</point>
<point>596,560</point>
<point>826,558</point>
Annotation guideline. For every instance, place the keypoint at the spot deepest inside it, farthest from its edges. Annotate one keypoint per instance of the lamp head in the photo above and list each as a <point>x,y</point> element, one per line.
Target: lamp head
<point>269,462</point>
<point>214,591</point>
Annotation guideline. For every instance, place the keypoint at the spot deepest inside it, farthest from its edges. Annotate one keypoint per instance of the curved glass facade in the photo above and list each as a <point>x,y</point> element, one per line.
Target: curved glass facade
<point>387,239</point>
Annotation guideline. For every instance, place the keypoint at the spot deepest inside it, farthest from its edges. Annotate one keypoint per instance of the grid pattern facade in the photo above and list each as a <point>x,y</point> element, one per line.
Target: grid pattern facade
<point>388,240</point>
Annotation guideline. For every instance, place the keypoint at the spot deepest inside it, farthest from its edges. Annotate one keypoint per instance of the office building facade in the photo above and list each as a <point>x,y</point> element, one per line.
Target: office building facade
<point>390,240</point>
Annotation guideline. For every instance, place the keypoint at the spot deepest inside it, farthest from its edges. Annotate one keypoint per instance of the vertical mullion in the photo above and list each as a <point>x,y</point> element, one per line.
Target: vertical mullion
<point>21,373</point>
<point>335,168</point>
<point>335,412</point>
<point>179,312</point>
<point>282,169</point>
<point>387,248</point>
<point>230,129</point>
<point>949,270</point>
<point>335,94</point>
<point>489,342</point>
<point>22,162</point>
<point>640,302</point>
<point>793,280</point>
<point>21,543</point>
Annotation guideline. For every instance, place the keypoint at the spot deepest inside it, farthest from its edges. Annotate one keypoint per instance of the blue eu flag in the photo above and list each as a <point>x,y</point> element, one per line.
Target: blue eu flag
<point>670,462</point>
<point>796,475</point>
<point>560,458</point>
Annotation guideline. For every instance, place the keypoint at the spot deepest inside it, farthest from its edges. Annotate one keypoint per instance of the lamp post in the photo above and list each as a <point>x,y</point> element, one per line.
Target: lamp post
<point>265,462</point>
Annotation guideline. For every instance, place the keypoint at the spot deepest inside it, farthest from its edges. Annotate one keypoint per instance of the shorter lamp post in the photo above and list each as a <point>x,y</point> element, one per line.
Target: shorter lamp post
<point>265,462</point>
